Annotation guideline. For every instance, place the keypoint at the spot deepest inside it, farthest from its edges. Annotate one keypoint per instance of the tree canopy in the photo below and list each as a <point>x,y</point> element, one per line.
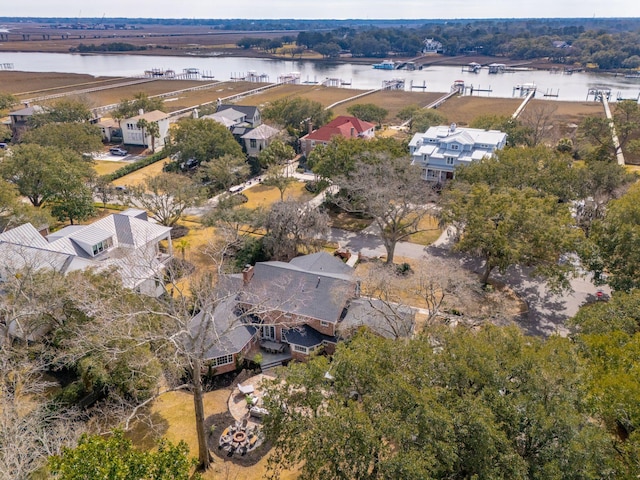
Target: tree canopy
<point>453,403</point>
<point>141,101</point>
<point>62,111</point>
<point>369,112</point>
<point>513,226</point>
<point>296,113</point>
<point>203,139</point>
<point>78,137</point>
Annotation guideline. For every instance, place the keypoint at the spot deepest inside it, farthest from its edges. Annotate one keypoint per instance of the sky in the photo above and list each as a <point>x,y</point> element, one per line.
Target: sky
<point>319,9</point>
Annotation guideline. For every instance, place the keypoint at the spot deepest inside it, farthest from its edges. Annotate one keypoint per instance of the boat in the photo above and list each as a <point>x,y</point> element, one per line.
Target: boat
<point>385,65</point>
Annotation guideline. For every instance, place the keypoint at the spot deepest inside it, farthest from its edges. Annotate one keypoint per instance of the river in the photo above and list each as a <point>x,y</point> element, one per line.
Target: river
<point>437,78</point>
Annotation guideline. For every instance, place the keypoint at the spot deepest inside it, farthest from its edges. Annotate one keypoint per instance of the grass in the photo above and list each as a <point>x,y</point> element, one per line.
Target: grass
<point>263,196</point>
<point>104,167</point>
<point>430,234</point>
<point>138,177</point>
<point>349,222</point>
<point>174,419</point>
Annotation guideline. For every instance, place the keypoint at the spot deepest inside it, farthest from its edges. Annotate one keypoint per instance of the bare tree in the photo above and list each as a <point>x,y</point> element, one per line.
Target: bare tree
<point>390,191</point>
<point>539,120</point>
<point>291,225</point>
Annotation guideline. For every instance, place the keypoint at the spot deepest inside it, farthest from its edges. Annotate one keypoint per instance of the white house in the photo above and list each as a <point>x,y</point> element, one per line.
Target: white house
<point>432,46</point>
<point>441,149</point>
<point>133,135</point>
<point>127,242</point>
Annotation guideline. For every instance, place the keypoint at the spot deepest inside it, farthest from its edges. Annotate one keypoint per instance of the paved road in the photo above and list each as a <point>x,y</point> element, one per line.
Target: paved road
<point>547,312</point>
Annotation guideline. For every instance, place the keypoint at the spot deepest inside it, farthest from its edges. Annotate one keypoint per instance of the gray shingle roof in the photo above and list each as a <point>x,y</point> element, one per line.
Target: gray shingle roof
<point>386,320</point>
<point>321,262</point>
<point>305,336</point>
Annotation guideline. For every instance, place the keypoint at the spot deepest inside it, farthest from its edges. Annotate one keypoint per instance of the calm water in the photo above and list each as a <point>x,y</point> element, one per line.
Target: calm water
<point>437,78</point>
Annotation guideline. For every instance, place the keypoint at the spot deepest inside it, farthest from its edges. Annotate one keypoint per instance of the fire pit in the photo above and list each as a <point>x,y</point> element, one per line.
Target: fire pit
<point>239,439</point>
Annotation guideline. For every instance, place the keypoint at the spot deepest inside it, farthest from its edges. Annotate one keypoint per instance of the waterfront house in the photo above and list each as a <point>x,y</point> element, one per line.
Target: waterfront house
<point>20,119</point>
<point>441,149</point>
<point>432,46</point>
<point>342,126</point>
<point>132,134</point>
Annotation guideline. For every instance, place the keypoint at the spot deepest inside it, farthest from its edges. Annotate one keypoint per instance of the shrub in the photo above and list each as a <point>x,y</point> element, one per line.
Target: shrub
<point>132,167</point>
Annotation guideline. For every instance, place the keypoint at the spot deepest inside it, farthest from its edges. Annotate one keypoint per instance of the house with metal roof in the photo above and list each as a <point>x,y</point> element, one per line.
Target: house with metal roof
<point>20,118</point>
<point>441,149</point>
<point>135,248</point>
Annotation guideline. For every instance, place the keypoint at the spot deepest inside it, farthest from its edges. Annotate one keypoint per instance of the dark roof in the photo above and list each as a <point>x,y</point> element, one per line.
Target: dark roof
<point>249,111</point>
<point>222,333</point>
<point>384,319</point>
<point>321,262</point>
<point>305,336</point>
<point>288,288</point>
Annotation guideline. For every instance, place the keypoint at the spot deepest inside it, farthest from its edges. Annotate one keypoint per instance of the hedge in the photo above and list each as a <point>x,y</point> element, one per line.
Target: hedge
<point>132,167</point>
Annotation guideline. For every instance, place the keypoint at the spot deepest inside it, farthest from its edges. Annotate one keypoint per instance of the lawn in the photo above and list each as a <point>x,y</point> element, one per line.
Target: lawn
<point>174,419</point>
<point>263,196</point>
<point>431,231</point>
<point>138,177</point>
<point>104,167</point>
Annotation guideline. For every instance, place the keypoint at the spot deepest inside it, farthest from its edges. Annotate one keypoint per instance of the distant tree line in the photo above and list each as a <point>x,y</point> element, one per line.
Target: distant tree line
<point>107,47</point>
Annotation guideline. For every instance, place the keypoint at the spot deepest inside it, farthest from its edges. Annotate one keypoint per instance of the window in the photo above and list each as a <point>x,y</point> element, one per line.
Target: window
<point>431,173</point>
<point>102,246</point>
<point>298,348</point>
<point>324,324</point>
<point>253,143</point>
<point>454,146</point>
<point>223,360</point>
<point>450,160</point>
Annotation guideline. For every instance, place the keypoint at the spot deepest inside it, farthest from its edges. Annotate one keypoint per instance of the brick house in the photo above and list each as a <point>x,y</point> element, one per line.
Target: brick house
<point>343,126</point>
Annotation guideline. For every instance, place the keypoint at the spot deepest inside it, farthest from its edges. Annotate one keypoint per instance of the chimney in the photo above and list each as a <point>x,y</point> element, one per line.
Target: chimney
<point>26,104</point>
<point>309,126</point>
<point>141,112</point>
<point>247,274</point>
<point>453,127</point>
<point>353,132</point>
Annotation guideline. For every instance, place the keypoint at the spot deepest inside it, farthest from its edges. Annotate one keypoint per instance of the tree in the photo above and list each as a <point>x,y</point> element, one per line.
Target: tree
<point>517,134</point>
<point>166,196</point>
<point>153,129</point>
<point>597,131</point>
<point>420,119</point>
<point>340,155</point>
<point>390,191</point>
<point>296,113</point>
<point>115,457</point>
<point>275,158</point>
<point>538,120</point>
<point>7,101</point>
<point>369,112</point>
<point>203,139</point>
<point>615,258</point>
<point>513,227</point>
<point>62,111</point>
<point>276,154</point>
<point>78,137</point>
<point>291,225</point>
<point>73,201</point>
<point>141,101</point>
<point>143,125</point>
<point>40,172</point>
<point>224,172</point>
<point>453,403</point>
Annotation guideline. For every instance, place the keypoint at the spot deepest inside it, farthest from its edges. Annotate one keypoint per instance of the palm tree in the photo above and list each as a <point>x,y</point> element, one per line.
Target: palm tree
<point>143,124</point>
<point>153,129</point>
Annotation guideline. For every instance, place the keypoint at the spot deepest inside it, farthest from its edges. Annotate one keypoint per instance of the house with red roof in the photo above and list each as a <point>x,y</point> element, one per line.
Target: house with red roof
<point>344,126</point>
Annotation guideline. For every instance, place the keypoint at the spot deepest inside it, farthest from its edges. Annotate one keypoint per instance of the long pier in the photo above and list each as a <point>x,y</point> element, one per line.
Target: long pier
<point>614,135</point>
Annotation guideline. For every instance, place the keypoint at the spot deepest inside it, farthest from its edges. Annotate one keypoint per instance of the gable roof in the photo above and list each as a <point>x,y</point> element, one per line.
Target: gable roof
<point>288,288</point>
<point>27,111</point>
<point>261,132</point>
<point>321,262</point>
<point>348,127</point>
<point>248,110</point>
<point>153,116</point>
<point>384,319</point>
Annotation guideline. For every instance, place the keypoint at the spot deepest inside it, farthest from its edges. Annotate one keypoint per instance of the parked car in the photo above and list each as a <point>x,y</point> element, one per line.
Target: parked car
<point>189,164</point>
<point>120,188</point>
<point>118,151</point>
